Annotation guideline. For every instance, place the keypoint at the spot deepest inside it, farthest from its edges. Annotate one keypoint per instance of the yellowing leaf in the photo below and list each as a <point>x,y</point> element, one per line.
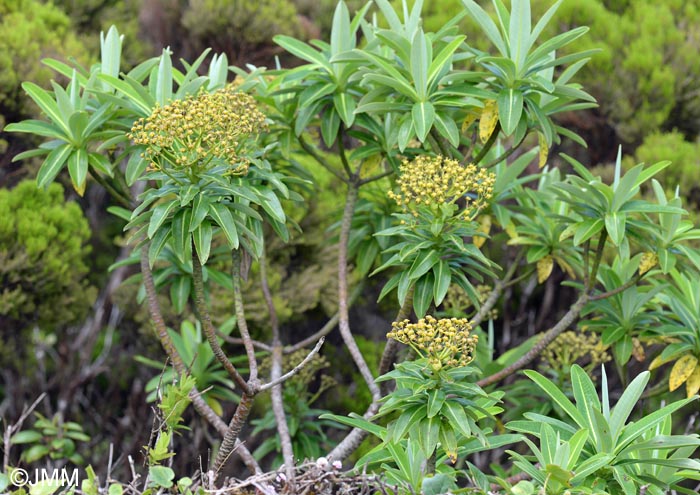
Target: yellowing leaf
<point>638,350</point>
<point>485,227</point>
<point>80,189</point>
<point>468,121</point>
<point>488,121</point>
<point>510,230</point>
<point>544,149</point>
<point>544,268</point>
<point>648,261</point>
<point>692,385</point>
<point>681,371</point>
<point>566,267</point>
<point>371,164</point>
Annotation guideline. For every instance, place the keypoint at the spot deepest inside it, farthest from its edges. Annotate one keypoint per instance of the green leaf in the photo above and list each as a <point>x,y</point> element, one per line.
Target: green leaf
<point>78,169</point>
<point>428,433</point>
<point>345,106</point>
<point>423,294</point>
<point>53,164</point>
<point>38,127</point>
<point>591,465</point>
<point>44,487</point>
<point>423,262</point>
<point>454,412</point>
<point>587,229</point>
<point>180,293</point>
<point>35,452</point>
<point>341,37</point>
<point>164,85</point>
<point>443,278</point>
<point>181,233</point>
<point>27,436</point>
<point>624,406</point>
<point>510,109</point>
<point>423,114</point>
<point>135,166</point>
<point>161,476</point>
<point>421,54</point>
<point>519,32</point>
<point>100,163</point>
<point>47,105</point>
<point>436,399</point>
<point>158,242</point>
<point>202,236</point>
<point>222,216</point>
<point>302,50</point>
<point>200,210</point>
<point>487,25</point>
<point>160,213</point>
<point>78,123</point>
<point>557,396</point>
<point>443,58</point>
<point>585,395</point>
<point>615,226</point>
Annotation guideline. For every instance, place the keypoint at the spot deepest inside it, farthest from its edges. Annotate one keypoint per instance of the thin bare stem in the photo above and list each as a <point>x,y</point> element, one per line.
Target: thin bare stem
<point>275,379</point>
<point>295,370</point>
<point>344,318</point>
<point>198,402</point>
<point>228,444</point>
<point>341,151</point>
<point>12,429</point>
<point>319,159</point>
<point>239,341</point>
<point>376,177</point>
<point>240,318</point>
<point>631,282</point>
<point>120,197</point>
<point>596,262</point>
<point>355,437</point>
<point>505,154</point>
<point>207,325</point>
<point>541,344</point>
<point>326,329</point>
<point>496,292</point>
<point>487,146</point>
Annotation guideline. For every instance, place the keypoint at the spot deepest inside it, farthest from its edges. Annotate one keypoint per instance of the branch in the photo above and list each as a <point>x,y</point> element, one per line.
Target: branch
<point>239,341</point>
<point>240,317</point>
<point>593,278</point>
<point>198,402</point>
<point>207,325</point>
<point>341,151</point>
<point>326,329</point>
<point>487,146</point>
<point>355,437</point>
<point>295,370</point>
<point>230,441</point>
<point>319,159</point>
<point>505,154</point>
<point>496,292</point>
<point>344,318</point>
<point>541,344</point>
<point>118,196</point>
<point>622,288</point>
<point>12,429</point>
<point>275,381</point>
<point>376,177</point>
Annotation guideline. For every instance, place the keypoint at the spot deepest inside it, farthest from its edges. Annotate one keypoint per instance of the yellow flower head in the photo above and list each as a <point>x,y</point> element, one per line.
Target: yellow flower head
<point>435,180</point>
<point>445,343</point>
<point>199,132</point>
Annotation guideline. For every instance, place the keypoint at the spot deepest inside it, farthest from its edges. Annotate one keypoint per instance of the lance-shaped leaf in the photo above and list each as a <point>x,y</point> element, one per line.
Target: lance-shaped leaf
<point>222,216</point>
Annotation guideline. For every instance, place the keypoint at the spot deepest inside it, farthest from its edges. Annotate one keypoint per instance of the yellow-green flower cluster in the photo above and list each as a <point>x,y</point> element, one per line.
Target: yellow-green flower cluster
<point>458,302</point>
<point>200,131</point>
<point>436,180</point>
<point>575,347</point>
<point>445,343</point>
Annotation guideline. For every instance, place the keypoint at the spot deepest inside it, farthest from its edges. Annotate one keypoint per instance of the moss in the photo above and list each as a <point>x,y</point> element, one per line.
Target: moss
<point>42,268</point>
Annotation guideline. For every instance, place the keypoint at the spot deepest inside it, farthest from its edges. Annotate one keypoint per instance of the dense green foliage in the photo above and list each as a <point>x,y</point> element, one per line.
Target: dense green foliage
<point>43,255</point>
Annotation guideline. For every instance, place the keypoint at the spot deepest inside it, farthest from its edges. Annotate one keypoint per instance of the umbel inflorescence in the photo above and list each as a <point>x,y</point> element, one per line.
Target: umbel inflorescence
<point>435,180</point>
<point>445,343</point>
<point>200,132</point>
